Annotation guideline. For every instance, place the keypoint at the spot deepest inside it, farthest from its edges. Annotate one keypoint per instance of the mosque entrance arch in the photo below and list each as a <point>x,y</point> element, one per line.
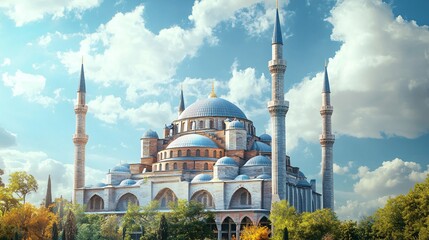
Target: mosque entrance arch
<point>204,198</point>
<point>165,196</point>
<point>95,203</point>
<point>228,228</point>
<point>125,200</point>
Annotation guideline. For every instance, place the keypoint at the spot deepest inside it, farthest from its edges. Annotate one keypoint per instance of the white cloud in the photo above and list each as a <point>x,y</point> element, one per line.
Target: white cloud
<point>7,139</point>
<point>45,40</point>
<point>26,11</point>
<point>342,170</point>
<point>109,109</point>
<point>40,165</point>
<point>373,188</point>
<point>379,77</point>
<point>29,86</point>
<point>6,62</point>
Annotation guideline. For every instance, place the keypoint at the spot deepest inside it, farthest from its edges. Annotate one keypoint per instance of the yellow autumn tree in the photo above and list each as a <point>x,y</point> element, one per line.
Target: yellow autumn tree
<point>254,233</point>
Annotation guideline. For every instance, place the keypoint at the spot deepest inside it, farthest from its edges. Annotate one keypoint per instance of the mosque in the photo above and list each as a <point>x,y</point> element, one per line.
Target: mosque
<point>211,154</point>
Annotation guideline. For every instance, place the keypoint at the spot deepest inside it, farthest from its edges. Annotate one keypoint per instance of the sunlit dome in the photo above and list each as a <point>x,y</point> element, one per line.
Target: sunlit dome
<point>192,140</point>
<point>212,107</point>
<point>236,125</point>
<point>261,147</point>
<point>242,177</point>
<point>263,176</point>
<point>120,169</point>
<point>150,134</point>
<point>127,182</point>
<point>265,137</point>
<point>258,161</point>
<point>226,161</point>
<point>202,177</point>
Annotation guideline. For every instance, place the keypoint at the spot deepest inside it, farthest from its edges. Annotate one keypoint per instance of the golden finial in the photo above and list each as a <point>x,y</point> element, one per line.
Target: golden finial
<point>213,94</point>
<point>277,4</point>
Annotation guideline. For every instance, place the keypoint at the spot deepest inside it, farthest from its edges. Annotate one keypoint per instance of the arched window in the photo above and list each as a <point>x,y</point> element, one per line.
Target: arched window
<point>201,125</point>
<point>165,196</point>
<point>125,200</point>
<point>245,198</point>
<point>188,152</point>
<point>175,166</point>
<point>220,154</point>
<point>206,153</point>
<point>211,123</point>
<point>198,152</point>
<point>228,228</point>
<point>167,167</point>
<point>214,154</point>
<point>171,154</point>
<point>160,167</point>
<point>185,166</point>
<point>179,153</point>
<point>206,166</point>
<point>96,203</point>
<point>241,199</point>
<point>245,223</point>
<point>155,167</point>
<point>204,197</point>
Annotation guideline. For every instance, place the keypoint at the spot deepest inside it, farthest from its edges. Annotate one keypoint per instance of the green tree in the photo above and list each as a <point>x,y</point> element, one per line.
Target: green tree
<point>389,222</point>
<point>89,227</point>
<point>315,225</point>
<point>70,228</point>
<point>55,231</point>
<point>137,218</point>
<point>1,181</point>
<point>348,230</point>
<point>109,228</point>
<point>162,233</point>
<point>22,184</point>
<point>7,200</point>
<point>283,216</point>
<point>364,227</point>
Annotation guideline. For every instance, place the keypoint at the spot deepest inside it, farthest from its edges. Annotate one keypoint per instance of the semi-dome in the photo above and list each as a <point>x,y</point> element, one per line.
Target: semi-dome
<point>212,107</point>
<point>242,177</point>
<point>258,161</point>
<point>120,169</point>
<point>265,137</point>
<point>150,134</point>
<point>263,176</point>
<point>236,125</point>
<point>202,177</point>
<point>192,140</point>
<point>226,161</point>
<point>127,182</point>
<point>261,147</point>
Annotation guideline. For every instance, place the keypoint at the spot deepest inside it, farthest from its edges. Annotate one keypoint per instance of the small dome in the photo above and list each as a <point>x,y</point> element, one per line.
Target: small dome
<point>141,181</point>
<point>242,177</point>
<point>236,125</point>
<point>263,176</point>
<point>202,177</point>
<point>100,184</point>
<point>226,161</point>
<point>265,137</point>
<point>192,140</point>
<point>261,147</point>
<point>127,182</point>
<point>150,134</point>
<point>120,169</point>
<point>301,175</point>
<point>303,183</point>
<point>258,161</point>
<point>212,107</point>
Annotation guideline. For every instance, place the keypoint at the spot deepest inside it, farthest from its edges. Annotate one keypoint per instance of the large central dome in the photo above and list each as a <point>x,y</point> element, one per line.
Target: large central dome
<point>212,107</point>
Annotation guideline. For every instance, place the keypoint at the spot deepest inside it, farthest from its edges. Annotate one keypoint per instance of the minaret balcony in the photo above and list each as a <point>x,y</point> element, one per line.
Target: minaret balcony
<point>327,137</point>
<point>325,110</point>
<point>277,62</point>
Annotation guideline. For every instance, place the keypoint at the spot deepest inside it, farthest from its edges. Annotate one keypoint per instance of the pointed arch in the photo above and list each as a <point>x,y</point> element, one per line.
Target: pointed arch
<point>205,198</point>
<point>245,222</point>
<point>95,203</point>
<point>241,199</point>
<point>125,200</point>
<point>165,196</point>
<point>228,228</point>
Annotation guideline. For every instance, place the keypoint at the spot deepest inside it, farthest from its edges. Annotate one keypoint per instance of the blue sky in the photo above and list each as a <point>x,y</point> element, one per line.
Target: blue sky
<point>137,54</point>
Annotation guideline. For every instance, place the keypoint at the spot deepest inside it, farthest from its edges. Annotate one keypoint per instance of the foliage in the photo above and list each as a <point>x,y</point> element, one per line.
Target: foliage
<point>254,233</point>
<point>89,227</point>
<point>348,230</point>
<point>1,181</point>
<point>7,201</point>
<point>317,224</point>
<point>22,183</point>
<point>283,216</point>
<point>55,231</point>
<point>70,228</point>
<point>146,218</point>
<point>364,227</point>
<point>189,220</point>
<point>110,228</point>
<point>162,232</point>
<point>389,222</point>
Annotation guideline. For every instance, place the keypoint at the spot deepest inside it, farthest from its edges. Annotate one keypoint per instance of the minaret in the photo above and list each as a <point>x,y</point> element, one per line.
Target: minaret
<point>327,140</point>
<point>48,197</point>
<point>182,102</point>
<point>80,138</point>
<point>278,108</point>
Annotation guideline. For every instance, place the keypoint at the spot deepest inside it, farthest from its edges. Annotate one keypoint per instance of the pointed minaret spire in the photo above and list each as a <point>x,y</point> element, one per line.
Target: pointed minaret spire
<point>278,108</point>
<point>182,101</point>
<point>327,140</point>
<point>80,138</point>
<point>48,197</point>
<point>213,93</point>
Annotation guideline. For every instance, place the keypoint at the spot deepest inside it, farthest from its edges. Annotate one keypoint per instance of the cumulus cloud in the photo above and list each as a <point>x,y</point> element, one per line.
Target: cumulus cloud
<point>379,77</point>
<point>7,139</point>
<point>342,170</point>
<point>40,165</point>
<point>373,188</point>
<point>109,109</point>
<point>26,11</point>
<point>29,86</point>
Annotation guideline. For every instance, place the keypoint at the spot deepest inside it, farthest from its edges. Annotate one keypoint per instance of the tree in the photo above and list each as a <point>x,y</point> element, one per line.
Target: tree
<point>254,233</point>
<point>283,216</point>
<point>7,200</point>
<point>316,225</point>
<point>89,227</point>
<point>70,228</point>
<point>389,222</point>
<point>54,231</point>
<point>136,217</point>
<point>348,230</point>
<point>22,183</point>
<point>364,227</point>
<point>162,232</point>
<point>109,228</point>
<point>1,182</point>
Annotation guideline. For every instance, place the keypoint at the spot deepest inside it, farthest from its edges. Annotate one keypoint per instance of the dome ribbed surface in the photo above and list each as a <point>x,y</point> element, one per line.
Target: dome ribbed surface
<point>212,107</point>
<point>150,134</point>
<point>192,140</point>
<point>258,161</point>
<point>127,182</point>
<point>202,177</point>
<point>120,169</point>
<point>242,177</point>
<point>260,146</point>
<point>226,161</point>
<point>265,137</point>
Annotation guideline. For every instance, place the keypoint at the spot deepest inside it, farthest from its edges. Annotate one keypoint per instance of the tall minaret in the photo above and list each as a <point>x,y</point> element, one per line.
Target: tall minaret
<point>48,197</point>
<point>80,138</point>
<point>327,140</point>
<point>278,108</point>
<point>182,102</point>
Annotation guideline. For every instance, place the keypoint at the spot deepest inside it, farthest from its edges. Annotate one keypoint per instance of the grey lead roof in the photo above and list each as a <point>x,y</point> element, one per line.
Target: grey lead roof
<point>212,107</point>
<point>326,88</point>
<point>277,34</point>
<point>82,87</point>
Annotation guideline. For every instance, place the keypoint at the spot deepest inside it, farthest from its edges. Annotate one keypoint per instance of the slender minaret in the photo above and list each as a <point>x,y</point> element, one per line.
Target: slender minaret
<point>48,197</point>
<point>278,108</point>
<point>80,138</point>
<point>182,102</point>
<point>327,140</point>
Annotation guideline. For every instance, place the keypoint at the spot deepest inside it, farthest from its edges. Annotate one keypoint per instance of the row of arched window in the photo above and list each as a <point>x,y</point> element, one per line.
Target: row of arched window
<point>176,166</point>
<point>198,153</point>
